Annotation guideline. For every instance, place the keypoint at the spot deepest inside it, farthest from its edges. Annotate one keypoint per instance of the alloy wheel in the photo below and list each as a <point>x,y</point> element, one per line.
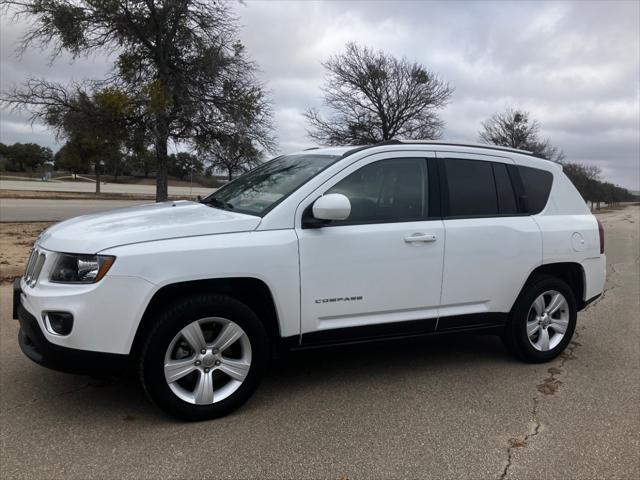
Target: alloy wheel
<point>548,320</point>
<point>207,360</point>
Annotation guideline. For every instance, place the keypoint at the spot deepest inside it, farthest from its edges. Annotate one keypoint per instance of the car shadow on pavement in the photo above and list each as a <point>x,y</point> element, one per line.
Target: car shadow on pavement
<point>291,378</point>
<point>429,354</point>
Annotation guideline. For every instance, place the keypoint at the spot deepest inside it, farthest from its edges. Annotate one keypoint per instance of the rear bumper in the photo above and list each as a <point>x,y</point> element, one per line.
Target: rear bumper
<point>595,276</point>
<point>37,348</point>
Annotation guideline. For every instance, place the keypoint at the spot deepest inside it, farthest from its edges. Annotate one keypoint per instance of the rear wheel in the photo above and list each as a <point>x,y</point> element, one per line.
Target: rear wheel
<point>204,358</point>
<point>542,321</point>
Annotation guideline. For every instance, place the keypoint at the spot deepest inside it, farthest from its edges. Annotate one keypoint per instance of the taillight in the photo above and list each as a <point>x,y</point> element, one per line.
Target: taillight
<point>601,233</point>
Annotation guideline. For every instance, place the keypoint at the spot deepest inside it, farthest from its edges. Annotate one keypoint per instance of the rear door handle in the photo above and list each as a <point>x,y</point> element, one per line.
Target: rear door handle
<point>420,238</point>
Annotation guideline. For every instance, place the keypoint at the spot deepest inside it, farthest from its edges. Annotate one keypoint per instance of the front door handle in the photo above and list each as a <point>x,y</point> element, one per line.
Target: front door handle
<point>420,238</point>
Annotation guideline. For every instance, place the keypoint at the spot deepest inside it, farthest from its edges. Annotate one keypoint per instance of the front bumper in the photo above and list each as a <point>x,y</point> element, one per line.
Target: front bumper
<point>106,314</point>
<point>37,348</point>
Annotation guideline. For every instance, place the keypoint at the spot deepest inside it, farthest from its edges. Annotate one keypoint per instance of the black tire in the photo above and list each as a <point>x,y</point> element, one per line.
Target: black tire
<point>167,325</point>
<point>515,335</point>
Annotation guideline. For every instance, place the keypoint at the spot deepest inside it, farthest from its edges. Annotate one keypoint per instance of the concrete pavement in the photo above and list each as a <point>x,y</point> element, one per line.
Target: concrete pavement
<point>448,407</point>
<point>37,210</point>
<point>104,188</point>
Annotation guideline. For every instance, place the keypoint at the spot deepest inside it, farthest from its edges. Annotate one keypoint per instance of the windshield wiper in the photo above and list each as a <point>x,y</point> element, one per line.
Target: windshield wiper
<point>215,202</point>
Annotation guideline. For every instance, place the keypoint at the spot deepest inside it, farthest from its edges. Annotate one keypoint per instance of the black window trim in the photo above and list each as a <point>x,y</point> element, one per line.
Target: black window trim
<point>433,206</point>
<point>516,183</point>
<point>518,187</point>
<point>438,194</point>
<point>513,190</point>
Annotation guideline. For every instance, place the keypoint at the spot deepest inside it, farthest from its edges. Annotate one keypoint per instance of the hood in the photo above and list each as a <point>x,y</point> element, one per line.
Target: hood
<point>143,223</point>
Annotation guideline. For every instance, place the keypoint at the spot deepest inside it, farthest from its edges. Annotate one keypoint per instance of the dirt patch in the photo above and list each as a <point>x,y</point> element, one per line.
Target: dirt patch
<point>517,443</point>
<point>549,385</point>
<point>16,240</point>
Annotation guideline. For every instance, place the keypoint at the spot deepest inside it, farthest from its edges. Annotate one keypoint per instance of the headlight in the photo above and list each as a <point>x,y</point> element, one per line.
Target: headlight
<point>81,268</point>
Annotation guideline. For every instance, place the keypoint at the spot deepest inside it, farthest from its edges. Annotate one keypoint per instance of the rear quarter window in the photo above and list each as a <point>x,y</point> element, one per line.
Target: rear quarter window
<point>537,186</point>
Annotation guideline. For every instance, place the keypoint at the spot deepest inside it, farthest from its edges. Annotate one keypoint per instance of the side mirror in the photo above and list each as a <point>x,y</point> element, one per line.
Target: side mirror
<point>333,206</point>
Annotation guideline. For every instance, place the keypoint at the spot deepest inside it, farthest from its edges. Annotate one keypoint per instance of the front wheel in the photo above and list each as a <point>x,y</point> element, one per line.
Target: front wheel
<point>542,321</point>
<point>204,358</point>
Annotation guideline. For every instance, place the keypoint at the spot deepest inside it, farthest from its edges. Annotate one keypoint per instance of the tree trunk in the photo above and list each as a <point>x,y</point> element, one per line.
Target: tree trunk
<point>161,141</point>
<point>229,174</point>
<point>97,177</point>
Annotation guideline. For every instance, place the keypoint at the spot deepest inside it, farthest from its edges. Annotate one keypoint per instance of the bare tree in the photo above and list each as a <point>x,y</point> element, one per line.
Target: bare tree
<point>235,154</point>
<point>513,128</point>
<point>374,96</point>
<point>178,59</point>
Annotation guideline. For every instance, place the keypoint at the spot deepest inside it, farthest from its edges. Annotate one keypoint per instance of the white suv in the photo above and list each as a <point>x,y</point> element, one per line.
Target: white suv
<point>324,246</point>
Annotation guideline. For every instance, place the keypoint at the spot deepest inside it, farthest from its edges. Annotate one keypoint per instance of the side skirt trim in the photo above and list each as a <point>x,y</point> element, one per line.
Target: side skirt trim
<point>472,321</point>
<point>491,323</point>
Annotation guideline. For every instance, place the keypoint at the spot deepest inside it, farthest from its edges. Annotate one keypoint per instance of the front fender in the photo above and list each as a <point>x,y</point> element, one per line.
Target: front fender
<point>269,256</point>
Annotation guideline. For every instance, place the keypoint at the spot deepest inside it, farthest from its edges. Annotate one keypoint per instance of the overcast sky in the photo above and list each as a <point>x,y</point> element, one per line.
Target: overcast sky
<point>575,66</point>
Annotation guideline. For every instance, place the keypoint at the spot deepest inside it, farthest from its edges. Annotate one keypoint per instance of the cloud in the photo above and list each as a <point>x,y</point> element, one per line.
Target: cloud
<point>575,66</point>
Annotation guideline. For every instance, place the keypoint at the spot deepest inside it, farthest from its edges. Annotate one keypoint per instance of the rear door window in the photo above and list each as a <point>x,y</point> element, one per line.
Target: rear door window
<point>472,188</point>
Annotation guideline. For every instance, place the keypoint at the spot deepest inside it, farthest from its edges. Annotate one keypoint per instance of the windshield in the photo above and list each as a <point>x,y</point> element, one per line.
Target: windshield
<point>261,189</point>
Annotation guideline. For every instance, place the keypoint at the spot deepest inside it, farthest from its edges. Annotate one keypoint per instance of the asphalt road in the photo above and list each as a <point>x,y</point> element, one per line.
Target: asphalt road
<point>455,407</point>
<point>41,210</point>
<point>104,188</point>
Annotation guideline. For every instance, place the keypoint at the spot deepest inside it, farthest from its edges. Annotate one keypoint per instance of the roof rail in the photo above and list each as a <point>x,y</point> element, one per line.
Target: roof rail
<point>438,142</point>
<point>310,148</point>
<point>468,144</point>
<point>364,147</point>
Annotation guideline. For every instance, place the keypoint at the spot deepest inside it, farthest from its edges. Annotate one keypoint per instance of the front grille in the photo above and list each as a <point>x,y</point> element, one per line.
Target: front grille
<point>34,267</point>
<point>30,263</point>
